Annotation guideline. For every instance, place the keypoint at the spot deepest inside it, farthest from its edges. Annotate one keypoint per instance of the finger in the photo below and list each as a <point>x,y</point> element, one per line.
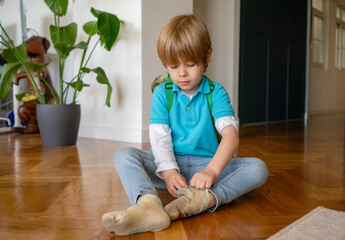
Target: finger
<point>201,185</point>
<point>198,186</point>
<point>208,184</point>
<point>171,188</point>
<point>177,185</point>
<point>173,192</point>
<point>182,182</point>
<point>192,182</point>
<point>197,181</point>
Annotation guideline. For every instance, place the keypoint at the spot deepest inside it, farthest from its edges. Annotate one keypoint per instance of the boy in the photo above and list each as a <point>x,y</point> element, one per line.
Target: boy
<point>186,158</point>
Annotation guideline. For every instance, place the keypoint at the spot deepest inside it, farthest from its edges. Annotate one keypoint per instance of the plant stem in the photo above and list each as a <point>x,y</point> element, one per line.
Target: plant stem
<point>41,98</point>
<point>66,93</point>
<point>81,74</point>
<point>61,67</point>
<point>93,49</point>
<point>49,87</point>
<point>66,90</point>
<point>80,67</point>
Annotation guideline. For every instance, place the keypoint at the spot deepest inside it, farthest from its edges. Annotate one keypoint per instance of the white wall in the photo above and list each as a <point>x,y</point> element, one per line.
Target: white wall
<point>11,21</point>
<point>222,18</point>
<point>123,67</point>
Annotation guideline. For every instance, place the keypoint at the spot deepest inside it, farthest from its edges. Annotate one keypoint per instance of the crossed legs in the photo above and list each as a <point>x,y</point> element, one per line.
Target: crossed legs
<point>137,172</point>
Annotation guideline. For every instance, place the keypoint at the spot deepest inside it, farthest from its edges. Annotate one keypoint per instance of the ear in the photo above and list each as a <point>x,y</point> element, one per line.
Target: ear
<point>208,57</point>
<point>46,44</point>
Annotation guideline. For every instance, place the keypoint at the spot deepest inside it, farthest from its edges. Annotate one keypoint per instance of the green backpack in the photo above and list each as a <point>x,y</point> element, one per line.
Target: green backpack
<point>170,95</point>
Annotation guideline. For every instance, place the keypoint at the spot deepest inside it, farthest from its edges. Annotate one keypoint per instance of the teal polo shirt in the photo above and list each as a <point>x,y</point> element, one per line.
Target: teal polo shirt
<point>190,121</point>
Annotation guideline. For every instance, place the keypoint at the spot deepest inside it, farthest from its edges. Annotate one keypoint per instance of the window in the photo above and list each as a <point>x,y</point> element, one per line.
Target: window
<point>340,38</point>
<point>318,32</point>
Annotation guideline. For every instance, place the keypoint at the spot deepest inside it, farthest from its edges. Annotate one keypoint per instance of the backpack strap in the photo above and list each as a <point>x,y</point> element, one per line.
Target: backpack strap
<point>170,94</point>
<point>209,101</point>
<point>209,95</point>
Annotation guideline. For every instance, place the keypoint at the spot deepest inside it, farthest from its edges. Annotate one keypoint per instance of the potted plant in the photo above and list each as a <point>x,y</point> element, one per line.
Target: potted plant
<point>105,28</point>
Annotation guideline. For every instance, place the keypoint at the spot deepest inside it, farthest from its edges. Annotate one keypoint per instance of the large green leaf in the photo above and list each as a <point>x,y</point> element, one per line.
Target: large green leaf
<point>20,96</point>
<point>108,27</point>
<point>7,75</point>
<point>9,54</point>
<point>37,66</point>
<point>64,35</point>
<point>81,45</point>
<point>101,76</point>
<point>79,86</point>
<point>58,7</point>
<point>95,12</point>
<point>64,49</point>
<point>102,79</point>
<point>90,28</point>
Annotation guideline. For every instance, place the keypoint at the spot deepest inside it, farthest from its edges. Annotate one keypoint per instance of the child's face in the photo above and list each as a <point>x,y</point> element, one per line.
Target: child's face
<point>187,76</point>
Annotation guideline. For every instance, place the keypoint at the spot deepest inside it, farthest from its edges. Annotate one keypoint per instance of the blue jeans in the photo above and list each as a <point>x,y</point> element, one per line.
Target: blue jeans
<point>136,169</point>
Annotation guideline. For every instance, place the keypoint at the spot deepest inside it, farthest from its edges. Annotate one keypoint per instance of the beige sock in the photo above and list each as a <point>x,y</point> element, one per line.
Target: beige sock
<point>147,216</point>
<point>190,202</point>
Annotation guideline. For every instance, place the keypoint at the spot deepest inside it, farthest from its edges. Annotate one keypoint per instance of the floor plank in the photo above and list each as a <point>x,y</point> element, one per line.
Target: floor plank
<point>62,192</point>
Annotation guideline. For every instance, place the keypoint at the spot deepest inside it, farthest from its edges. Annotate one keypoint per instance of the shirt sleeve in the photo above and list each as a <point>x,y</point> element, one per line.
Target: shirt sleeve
<point>159,112</point>
<point>221,106</point>
<point>162,148</point>
<point>226,121</point>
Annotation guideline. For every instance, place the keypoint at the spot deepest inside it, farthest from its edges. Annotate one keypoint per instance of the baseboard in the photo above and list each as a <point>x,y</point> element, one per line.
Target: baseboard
<point>115,134</point>
<point>326,111</point>
<point>5,129</point>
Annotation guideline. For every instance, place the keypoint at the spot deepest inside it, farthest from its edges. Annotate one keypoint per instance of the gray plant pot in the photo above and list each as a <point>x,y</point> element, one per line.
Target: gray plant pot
<point>58,124</point>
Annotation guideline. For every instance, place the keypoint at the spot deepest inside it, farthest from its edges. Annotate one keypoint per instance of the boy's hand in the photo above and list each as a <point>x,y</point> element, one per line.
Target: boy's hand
<point>203,179</point>
<point>174,181</point>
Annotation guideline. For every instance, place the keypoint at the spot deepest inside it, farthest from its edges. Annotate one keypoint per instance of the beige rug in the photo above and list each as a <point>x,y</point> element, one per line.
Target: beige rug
<point>321,223</point>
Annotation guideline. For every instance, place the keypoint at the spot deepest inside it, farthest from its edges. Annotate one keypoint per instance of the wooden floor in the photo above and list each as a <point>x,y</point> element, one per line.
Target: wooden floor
<point>62,192</point>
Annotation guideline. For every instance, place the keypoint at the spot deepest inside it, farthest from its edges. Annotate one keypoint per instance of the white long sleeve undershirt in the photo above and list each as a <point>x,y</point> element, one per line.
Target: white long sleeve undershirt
<point>162,147</point>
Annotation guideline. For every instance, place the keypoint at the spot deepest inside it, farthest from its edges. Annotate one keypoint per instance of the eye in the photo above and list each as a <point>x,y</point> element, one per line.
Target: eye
<point>173,67</point>
<point>190,64</point>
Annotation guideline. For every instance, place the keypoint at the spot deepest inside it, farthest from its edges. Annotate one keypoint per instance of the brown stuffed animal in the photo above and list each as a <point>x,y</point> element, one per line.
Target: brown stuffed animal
<point>36,48</point>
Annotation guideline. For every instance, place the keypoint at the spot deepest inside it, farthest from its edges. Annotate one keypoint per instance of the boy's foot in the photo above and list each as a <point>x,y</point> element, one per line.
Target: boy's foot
<point>147,216</point>
<point>190,202</point>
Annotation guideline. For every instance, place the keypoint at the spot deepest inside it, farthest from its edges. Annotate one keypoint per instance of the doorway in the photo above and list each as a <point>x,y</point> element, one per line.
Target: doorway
<point>272,75</point>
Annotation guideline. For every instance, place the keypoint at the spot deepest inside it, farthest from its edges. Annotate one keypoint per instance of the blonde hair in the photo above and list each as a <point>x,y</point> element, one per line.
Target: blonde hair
<point>184,38</point>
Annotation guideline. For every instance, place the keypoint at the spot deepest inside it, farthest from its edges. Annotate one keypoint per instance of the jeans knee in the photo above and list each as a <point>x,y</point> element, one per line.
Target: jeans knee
<point>259,172</point>
<point>262,171</point>
<point>121,156</point>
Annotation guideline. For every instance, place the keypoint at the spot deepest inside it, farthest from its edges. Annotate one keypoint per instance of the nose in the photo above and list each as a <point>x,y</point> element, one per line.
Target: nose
<point>182,72</point>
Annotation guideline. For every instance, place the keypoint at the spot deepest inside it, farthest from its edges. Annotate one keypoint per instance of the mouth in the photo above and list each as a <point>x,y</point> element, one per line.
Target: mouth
<point>184,83</point>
